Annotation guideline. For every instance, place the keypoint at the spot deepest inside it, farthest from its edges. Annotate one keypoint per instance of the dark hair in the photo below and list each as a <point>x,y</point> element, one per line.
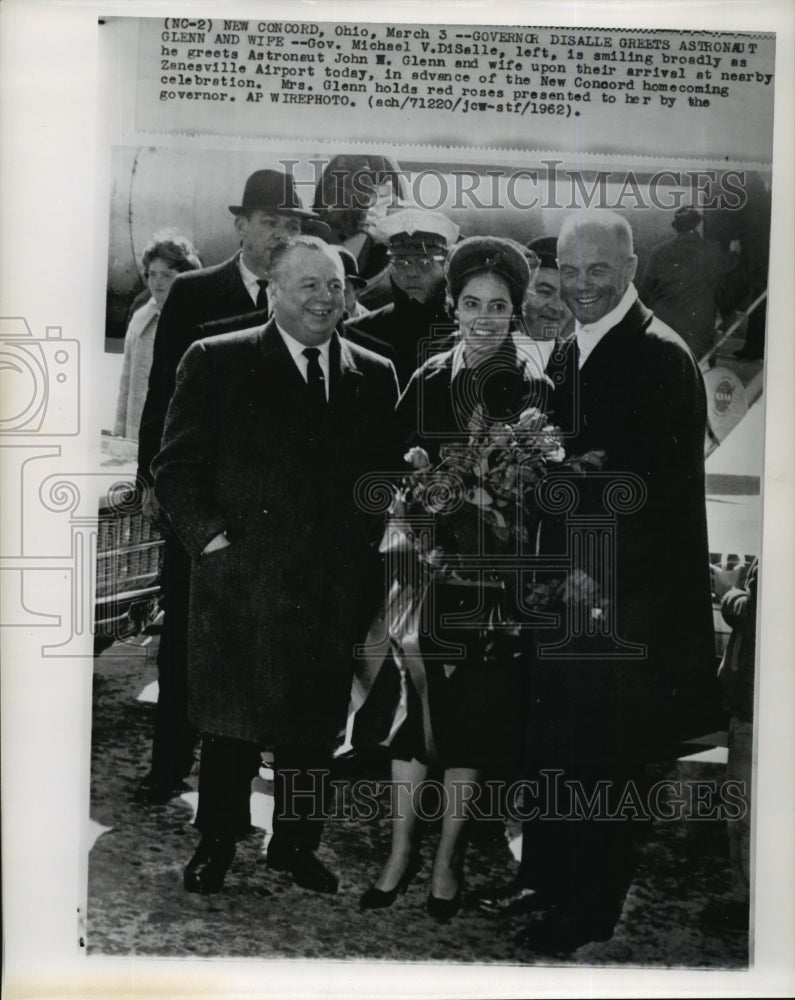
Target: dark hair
<point>345,189</point>
<point>174,250</point>
<point>686,220</point>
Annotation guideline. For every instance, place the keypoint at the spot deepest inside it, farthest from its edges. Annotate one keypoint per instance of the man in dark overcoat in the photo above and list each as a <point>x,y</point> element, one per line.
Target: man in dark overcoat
<point>682,278</point>
<point>621,685</point>
<point>267,435</point>
<point>270,212</point>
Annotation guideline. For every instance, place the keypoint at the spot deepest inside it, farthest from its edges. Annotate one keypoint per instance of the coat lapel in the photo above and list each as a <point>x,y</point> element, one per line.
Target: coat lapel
<point>563,371</point>
<point>281,372</point>
<point>345,377</point>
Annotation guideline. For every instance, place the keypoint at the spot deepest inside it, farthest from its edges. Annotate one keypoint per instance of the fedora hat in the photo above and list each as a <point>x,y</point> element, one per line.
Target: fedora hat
<point>272,191</point>
<point>351,267</point>
<point>546,249</point>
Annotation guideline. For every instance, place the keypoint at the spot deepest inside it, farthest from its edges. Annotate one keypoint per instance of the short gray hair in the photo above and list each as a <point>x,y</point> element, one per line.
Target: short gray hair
<point>599,218</point>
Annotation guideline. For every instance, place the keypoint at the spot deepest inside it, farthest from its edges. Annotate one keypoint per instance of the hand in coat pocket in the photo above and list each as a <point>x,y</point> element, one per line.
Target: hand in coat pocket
<point>216,543</point>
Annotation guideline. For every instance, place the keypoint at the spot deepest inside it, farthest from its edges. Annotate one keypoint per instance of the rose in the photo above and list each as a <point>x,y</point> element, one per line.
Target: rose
<point>531,419</point>
<point>418,458</point>
<point>500,435</point>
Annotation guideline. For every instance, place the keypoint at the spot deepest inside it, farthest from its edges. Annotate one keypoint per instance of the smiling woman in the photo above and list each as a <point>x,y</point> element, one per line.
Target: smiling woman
<point>484,314</point>
<point>473,713</point>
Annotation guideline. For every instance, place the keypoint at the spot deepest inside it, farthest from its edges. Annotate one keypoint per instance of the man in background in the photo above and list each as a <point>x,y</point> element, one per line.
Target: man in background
<point>416,323</point>
<point>547,319</point>
<point>736,675</point>
<point>682,278</point>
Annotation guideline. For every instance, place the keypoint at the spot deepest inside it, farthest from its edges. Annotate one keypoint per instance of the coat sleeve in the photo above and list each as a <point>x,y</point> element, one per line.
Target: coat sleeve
<point>183,469</point>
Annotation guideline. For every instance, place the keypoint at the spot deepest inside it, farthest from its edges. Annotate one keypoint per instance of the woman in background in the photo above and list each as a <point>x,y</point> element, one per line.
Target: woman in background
<point>166,256</point>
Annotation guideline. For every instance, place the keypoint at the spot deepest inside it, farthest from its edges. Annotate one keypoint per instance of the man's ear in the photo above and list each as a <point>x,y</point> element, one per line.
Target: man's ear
<point>632,266</point>
<point>241,222</point>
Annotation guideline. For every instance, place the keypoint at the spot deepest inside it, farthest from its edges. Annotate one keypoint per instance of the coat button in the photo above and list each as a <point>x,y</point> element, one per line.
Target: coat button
<point>264,511</point>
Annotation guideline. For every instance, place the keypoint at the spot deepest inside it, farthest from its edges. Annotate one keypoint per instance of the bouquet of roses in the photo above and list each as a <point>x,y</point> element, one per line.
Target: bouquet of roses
<point>492,477</point>
<point>479,500</point>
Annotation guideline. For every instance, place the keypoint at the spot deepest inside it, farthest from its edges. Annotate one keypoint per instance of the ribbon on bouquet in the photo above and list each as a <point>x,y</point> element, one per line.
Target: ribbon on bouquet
<point>395,632</point>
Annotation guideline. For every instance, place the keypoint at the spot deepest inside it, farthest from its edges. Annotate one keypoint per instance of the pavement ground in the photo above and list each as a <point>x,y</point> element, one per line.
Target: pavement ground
<point>137,905</point>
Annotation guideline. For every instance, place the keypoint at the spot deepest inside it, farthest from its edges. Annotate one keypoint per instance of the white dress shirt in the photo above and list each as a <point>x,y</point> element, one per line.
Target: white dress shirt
<point>589,335</point>
<point>250,280</point>
<point>296,349</point>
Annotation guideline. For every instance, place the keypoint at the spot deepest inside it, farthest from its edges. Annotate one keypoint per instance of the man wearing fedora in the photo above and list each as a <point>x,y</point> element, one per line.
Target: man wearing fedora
<point>270,213</point>
<point>416,323</point>
<point>354,283</point>
<point>268,434</point>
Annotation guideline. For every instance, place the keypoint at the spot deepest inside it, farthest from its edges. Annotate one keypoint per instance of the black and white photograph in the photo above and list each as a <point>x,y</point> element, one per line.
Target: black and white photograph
<point>410,502</point>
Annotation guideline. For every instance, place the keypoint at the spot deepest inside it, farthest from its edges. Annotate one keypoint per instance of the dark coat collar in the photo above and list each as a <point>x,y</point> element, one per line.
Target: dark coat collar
<point>433,307</point>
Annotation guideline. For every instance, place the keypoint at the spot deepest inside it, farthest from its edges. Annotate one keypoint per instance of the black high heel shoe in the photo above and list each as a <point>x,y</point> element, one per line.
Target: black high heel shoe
<point>444,909</point>
<point>378,899</point>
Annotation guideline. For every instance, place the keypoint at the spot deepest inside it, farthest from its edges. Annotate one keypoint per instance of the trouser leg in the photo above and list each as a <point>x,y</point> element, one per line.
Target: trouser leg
<point>226,770</point>
<point>582,855</point>
<point>301,794</point>
<point>174,734</point>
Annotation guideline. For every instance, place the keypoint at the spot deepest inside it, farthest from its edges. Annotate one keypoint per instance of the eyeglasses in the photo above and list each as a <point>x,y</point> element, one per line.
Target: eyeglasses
<point>414,263</point>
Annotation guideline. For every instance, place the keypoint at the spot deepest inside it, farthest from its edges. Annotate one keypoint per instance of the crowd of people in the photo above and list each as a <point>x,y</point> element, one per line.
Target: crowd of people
<point>273,394</point>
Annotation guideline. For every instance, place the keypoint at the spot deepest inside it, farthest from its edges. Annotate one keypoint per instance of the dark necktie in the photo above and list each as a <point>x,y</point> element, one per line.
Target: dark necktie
<point>262,294</point>
<point>315,379</point>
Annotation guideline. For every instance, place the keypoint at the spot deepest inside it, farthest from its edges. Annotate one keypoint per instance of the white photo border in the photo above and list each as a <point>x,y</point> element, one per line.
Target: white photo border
<point>53,151</point>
